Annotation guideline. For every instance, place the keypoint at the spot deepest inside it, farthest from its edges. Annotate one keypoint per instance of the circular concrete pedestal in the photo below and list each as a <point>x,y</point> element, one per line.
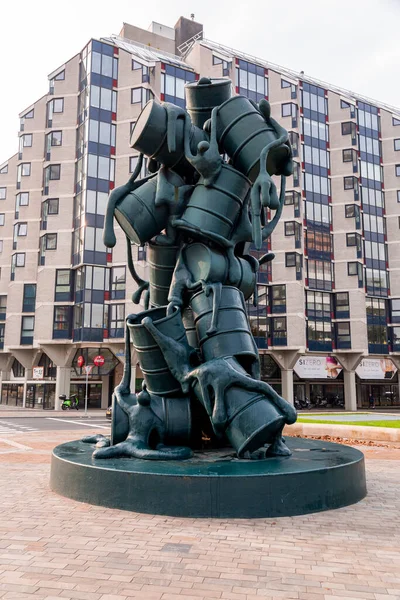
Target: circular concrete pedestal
<point>318,476</point>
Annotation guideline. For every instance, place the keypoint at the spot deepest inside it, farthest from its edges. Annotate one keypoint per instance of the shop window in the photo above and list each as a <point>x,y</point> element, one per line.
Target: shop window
<point>343,336</point>
<point>27,328</point>
<point>12,394</point>
<point>3,308</point>
<point>117,320</point>
<point>277,298</point>
<point>62,322</point>
<point>118,283</point>
<point>88,355</point>
<point>49,368</point>
<point>278,331</point>
<point>342,305</point>
<point>17,369</point>
<point>29,298</point>
<point>63,285</point>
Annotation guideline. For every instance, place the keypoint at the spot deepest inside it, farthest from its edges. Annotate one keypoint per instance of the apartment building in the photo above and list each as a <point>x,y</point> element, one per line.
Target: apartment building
<point>328,318</point>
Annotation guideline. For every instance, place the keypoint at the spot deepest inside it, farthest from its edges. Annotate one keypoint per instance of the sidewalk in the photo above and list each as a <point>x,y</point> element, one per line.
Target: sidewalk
<point>11,412</point>
<point>52,548</point>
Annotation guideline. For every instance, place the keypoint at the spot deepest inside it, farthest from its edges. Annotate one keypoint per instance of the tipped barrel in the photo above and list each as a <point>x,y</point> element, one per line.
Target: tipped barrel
<point>162,261</point>
<point>204,95</point>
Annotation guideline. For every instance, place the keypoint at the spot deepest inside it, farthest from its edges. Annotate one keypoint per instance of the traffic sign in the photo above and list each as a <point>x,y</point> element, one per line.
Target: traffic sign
<point>80,361</point>
<point>88,369</point>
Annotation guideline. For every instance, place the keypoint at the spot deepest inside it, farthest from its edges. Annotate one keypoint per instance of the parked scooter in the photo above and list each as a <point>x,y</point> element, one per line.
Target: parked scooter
<point>68,403</point>
<point>302,403</point>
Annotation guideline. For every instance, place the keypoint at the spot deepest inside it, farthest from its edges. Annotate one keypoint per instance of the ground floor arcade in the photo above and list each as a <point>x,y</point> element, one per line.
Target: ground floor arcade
<point>35,378</point>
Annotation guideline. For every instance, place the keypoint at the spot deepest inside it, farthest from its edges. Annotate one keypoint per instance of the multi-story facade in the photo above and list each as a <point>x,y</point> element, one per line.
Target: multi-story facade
<point>328,318</point>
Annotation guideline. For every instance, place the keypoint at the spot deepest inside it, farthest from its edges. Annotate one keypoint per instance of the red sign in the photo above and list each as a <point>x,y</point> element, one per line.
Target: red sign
<point>98,360</point>
<point>80,361</point>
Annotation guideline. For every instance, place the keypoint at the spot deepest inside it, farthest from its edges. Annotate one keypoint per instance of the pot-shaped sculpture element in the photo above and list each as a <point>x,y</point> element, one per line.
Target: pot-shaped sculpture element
<point>204,95</point>
<point>253,420</point>
<point>212,266</point>
<point>157,375</point>
<point>150,135</point>
<point>175,413</point>
<point>232,336</point>
<point>190,328</point>
<point>161,260</point>
<point>213,211</point>
<point>137,213</point>
<point>242,133</point>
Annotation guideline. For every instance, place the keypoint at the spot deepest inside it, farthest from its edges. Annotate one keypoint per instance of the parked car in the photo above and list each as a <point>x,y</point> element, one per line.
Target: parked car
<point>109,412</point>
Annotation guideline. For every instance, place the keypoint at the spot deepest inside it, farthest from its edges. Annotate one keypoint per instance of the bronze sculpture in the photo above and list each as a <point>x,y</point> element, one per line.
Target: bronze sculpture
<point>199,209</point>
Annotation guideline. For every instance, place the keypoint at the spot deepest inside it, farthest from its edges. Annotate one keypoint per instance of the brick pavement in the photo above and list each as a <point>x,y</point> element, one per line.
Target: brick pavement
<point>53,548</point>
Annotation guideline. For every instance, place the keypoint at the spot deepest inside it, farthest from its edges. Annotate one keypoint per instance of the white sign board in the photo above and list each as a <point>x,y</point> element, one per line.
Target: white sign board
<point>37,372</point>
<point>317,367</point>
<point>376,368</point>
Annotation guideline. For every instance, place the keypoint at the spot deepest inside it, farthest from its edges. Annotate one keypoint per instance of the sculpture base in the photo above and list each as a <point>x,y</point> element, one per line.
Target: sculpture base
<point>318,476</point>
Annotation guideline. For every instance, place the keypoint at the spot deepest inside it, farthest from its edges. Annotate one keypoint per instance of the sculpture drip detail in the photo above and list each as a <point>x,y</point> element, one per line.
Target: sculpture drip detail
<point>201,207</point>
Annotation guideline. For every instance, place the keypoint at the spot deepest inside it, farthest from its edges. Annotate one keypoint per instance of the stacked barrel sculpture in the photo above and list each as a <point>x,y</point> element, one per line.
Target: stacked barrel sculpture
<point>202,205</point>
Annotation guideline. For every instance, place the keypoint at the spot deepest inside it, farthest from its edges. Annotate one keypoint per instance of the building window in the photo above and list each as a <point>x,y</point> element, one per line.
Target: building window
<point>395,310</point>
<point>278,332</point>
<point>349,183</point>
<point>26,141</point>
<point>52,173</point>
<point>319,336</point>
<point>117,320</point>
<point>18,259</point>
<point>351,239</point>
<point>351,210</point>
<point>22,199</point>
<point>21,229</point>
<point>377,326</point>
<point>133,161</point>
<point>63,287</point>
<point>54,139</point>
<point>1,249</point>
<point>2,219</point>
<point>50,241</point>
<point>17,369</point>
<point>3,308</point>
<point>29,299</point>
<point>118,283</point>
<point>294,142</point>
<point>277,298</point>
<point>62,322</point>
<point>29,115</point>
<point>285,84</point>
<point>136,66</point>
<point>24,169</point>
<point>395,122</point>
<point>52,206</point>
<point>353,268</point>
<point>349,156</point>
<point>397,170</point>
<point>290,259</point>
<point>4,170</point>
<point>289,109</point>
<point>398,195</point>
<point>347,128</point>
<point>141,96</point>
<point>251,80</point>
<point>27,327</point>
<point>342,305</point>
<point>3,193</point>
<point>343,336</point>
<point>290,228</point>
<point>397,144</point>
<point>58,105</point>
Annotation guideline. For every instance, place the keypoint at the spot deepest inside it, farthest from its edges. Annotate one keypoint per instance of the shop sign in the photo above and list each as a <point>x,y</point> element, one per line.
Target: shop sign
<point>376,368</point>
<point>37,372</point>
<point>317,367</point>
<point>99,360</point>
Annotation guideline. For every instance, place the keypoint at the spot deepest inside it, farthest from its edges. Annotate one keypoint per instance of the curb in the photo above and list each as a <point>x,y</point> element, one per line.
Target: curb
<point>376,434</point>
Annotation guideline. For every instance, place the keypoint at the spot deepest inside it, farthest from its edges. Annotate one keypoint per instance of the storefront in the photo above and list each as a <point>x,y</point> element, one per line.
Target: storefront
<point>12,394</point>
<point>40,395</point>
<point>270,372</point>
<point>97,366</point>
<point>320,380</point>
<point>379,378</point>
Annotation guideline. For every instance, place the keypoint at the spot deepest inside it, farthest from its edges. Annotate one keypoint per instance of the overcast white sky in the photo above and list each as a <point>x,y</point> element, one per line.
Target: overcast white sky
<point>351,43</point>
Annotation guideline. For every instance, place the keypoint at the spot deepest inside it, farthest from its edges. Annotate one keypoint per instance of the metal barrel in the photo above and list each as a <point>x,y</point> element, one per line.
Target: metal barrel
<point>149,137</point>
<point>138,215</point>
<point>212,265</point>
<point>213,211</point>
<point>190,328</point>
<point>175,413</point>
<point>158,378</point>
<point>204,95</point>
<point>233,336</point>
<point>162,261</point>
<point>251,419</point>
<point>242,133</point>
